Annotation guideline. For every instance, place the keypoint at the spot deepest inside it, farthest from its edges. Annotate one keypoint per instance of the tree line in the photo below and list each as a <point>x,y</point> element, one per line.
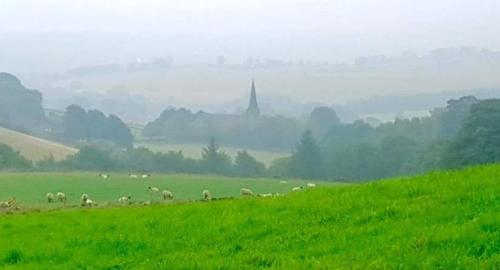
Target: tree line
<point>465,132</point>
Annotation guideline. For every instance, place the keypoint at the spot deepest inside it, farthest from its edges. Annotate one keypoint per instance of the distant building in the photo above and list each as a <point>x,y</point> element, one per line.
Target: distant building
<point>253,107</point>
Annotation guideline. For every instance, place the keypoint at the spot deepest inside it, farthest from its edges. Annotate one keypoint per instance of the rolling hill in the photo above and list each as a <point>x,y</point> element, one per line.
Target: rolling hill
<point>34,148</point>
<point>441,220</point>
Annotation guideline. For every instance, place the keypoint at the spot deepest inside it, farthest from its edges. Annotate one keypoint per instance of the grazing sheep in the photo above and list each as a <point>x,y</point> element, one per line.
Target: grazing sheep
<point>84,198</point>
<point>89,203</point>
<point>283,182</point>
<point>265,195</point>
<point>146,175</point>
<point>297,188</point>
<point>311,185</point>
<point>133,175</point>
<point>167,195</point>
<point>246,192</point>
<point>8,204</point>
<point>61,197</point>
<point>206,195</point>
<point>50,197</point>
<point>125,200</point>
<point>104,175</point>
<point>154,189</point>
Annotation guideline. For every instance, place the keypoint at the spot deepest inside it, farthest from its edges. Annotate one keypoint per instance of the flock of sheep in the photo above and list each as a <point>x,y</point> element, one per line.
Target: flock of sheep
<point>166,195</point>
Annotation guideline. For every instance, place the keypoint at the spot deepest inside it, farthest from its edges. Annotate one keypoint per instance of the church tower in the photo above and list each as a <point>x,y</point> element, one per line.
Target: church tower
<point>253,107</point>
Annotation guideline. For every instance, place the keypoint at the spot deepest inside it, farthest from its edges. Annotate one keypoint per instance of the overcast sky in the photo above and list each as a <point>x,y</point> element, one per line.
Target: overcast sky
<point>317,29</point>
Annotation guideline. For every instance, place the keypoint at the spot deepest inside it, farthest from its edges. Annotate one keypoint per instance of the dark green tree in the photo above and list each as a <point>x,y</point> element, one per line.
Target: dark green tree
<point>10,159</point>
<point>478,141</point>
<point>91,158</point>
<point>215,161</point>
<point>307,161</point>
<point>246,165</point>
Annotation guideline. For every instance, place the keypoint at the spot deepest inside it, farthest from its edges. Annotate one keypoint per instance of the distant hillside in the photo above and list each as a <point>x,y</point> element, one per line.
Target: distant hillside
<point>34,148</point>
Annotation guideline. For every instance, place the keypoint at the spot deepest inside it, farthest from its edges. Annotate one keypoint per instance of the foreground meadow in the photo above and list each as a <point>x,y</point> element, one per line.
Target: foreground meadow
<point>444,220</point>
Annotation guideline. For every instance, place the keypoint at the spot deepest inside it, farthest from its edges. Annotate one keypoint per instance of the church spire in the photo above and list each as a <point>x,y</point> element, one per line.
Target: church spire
<point>253,107</point>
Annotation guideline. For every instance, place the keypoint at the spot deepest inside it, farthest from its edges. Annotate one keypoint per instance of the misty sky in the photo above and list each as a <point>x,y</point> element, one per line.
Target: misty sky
<point>314,29</point>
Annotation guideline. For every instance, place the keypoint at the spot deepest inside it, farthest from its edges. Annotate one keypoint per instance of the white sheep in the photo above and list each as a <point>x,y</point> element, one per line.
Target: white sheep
<point>125,200</point>
<point>297,188</point>
<point>246,192</point>
<point>50,197</point>
<point>311,185</point>
<point>61,197</point>
<point>8,204</point>
<point>89,203</point>
<point>104,175</point>
<point>84,198</point>
<point>154,189</point>
<point>133,175</point>
<point>264,195</point>
<point>146,175</point>
<point>167,195</point>
<point>283,182</point>
<point>206,195</point>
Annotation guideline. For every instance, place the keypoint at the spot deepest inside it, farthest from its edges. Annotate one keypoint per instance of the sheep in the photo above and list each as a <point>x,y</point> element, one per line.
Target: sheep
<point>84,198</point>
<point>206,195</point>
<point>153,189</point>
<point>311,185</point>
<point>146,175</point>
<point>125,200</point>
<point>167,195</point>
<point>104,175</point>
<point>283,182</point>
<point>246,192</point>
<point>132,175</point>
<point>8,204</point>
<point>61,197</point>
<point>265,195</point>
<point>297,188</point>
<point>89,203</point>
<point>50,197</point>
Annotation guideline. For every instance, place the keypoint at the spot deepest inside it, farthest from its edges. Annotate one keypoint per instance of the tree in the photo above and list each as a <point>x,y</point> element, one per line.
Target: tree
<point>10,159</point>
<point>74,123</point>
<point>246,166</point>
<point>94,125</point>
<point>91,158</point>
<point>321,120</point>
<point>215,161</point>
<point>307,161</point>
<point>478,141</point>
<point>20,108</point>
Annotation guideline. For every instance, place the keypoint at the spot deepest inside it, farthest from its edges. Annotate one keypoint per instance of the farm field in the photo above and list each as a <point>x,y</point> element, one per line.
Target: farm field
<point>29,189</point>
<point>441,220</point>
<point>194,151</point>
<point>34,148</point>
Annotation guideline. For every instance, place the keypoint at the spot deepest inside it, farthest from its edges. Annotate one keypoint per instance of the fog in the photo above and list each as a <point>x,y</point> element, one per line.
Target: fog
<point>307,51</point>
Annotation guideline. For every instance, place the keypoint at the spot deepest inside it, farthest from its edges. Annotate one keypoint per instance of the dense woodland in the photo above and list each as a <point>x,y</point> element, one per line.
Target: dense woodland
<point>465,132</point>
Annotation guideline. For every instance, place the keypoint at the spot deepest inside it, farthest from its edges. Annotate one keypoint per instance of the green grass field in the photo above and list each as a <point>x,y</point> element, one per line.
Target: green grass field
<point>443,220</point>
<point>194,151</point>
<point>34,148</point>
<point>29,189</point>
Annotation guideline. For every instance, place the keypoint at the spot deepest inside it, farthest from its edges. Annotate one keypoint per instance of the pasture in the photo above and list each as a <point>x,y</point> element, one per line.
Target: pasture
<point>34,148</point>
<point>29,189</point>
<point>441,220</point>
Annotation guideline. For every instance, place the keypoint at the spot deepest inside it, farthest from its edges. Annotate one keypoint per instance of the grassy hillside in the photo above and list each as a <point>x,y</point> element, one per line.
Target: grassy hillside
<point>194,151</point>
<point>29,189</point>
<point>34,148</point>
<point>445,220</point>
